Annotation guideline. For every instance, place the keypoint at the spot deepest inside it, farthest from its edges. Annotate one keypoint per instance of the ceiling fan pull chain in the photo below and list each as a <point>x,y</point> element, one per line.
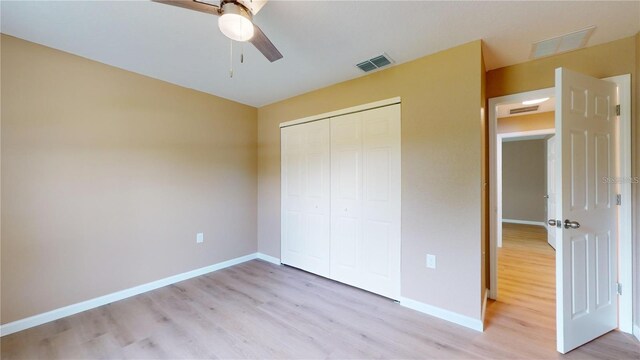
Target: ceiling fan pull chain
<point>241,53</point>
<point>230,58</point>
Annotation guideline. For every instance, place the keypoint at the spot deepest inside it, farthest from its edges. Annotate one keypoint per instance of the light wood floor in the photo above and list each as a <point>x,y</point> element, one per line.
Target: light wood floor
<point>261,310</point>
<point>526,273</point>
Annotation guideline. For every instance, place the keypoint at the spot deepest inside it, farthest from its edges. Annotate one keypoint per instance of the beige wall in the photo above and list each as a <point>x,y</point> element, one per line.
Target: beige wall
<point>441,169</point>
<point>107,176</point>
<point>524,180</point>
<point>596,61</point>
<point>610,59</point>
<point>524,186</point>
<point>539,121</point>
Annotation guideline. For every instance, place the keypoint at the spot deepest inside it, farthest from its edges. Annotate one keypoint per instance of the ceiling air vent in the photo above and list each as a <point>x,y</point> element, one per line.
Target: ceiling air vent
<point>367,66</point>
<point>524,109</point>
<point>567,42</point>
<point>375,63</point>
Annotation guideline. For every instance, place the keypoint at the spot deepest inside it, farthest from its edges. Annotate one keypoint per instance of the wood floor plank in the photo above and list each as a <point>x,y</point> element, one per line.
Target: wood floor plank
<point>260,310</point>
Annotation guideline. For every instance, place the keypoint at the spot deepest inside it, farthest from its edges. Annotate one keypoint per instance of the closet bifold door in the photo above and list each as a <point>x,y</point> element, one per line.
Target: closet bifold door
<point>305,217</point>
<point>365,200</point>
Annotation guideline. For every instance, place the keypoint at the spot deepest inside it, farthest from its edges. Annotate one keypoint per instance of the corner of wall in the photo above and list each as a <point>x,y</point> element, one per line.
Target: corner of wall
<point>485,175</point>
<point>636,171</point>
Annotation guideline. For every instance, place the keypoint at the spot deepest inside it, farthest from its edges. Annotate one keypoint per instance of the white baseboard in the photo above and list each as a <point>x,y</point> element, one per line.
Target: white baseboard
<point>491,293</point>
<point>636,331</point>
<point>524,222</point>
<point>269,258</point>
<point>56,314</point>
<point>471,323</point>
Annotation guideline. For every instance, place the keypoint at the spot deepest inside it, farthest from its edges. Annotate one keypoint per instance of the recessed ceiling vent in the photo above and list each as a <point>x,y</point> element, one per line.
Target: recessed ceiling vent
<point>375,63</point>
<point>563,43</point>
<point>524,109</point>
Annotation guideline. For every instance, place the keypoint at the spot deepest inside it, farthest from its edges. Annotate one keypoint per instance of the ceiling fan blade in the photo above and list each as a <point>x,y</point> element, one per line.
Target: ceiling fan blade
<point>264,45</point>
<point>201,6</point>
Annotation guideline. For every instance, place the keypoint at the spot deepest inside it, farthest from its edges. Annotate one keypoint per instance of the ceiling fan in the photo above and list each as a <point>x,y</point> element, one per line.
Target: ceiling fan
<point>235,21</point>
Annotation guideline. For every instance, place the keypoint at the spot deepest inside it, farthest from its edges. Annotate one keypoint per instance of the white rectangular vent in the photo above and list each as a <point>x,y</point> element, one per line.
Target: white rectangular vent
<point>559,44</point>
<point>524,109</point>
<point>375,63</point>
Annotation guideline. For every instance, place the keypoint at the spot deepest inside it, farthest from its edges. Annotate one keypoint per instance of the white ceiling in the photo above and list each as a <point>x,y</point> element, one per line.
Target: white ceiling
<point>321,40</point>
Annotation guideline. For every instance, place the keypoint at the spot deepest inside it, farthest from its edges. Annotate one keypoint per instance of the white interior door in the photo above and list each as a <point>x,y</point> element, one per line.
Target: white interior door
<point>551,189</point>
<point>365,200</point>
<point>306,197</point>
<point>586,269</point>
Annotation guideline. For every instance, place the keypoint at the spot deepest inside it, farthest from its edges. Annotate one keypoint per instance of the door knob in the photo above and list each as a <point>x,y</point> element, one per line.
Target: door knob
<point>552,222</point>
<point>568,224</point>
<point>546,196</point>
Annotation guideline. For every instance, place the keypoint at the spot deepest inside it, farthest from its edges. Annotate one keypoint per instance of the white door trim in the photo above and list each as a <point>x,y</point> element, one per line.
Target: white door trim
<point>625,260</point>
<point>522,135</point>
<point>353,109</point>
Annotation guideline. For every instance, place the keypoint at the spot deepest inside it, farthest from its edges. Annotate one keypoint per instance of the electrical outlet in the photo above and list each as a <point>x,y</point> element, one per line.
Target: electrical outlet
<point>431,261</point>
<point>199,237</point>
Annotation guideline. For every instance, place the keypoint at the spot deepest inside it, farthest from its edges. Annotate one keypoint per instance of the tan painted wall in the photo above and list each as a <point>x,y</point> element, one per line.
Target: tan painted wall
<point>597,61</point>
<point>107,176</point>
<point>610,59</point>
<point>524,180</point>
<point>524,186</point>
<point>441,169</point>
<point>539,121</point>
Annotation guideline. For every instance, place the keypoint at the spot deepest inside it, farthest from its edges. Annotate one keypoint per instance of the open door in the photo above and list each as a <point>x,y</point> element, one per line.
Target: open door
<point>586,217</point>
<point>551,189</point>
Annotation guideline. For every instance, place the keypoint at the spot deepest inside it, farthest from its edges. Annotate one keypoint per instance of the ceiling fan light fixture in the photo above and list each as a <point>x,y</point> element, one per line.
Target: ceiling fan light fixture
<point>235,22</point>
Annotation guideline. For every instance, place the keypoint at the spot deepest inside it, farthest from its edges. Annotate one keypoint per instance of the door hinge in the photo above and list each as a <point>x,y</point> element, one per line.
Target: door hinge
<point>619,288</point>
<point>618,110</point>
<point>618,199</point>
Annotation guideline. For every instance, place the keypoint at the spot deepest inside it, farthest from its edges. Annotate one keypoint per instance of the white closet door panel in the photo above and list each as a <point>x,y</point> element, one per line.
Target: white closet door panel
<point>365,200</point>
<point>293,230</point>
<point>346,197</point>
<point>305,197</point>
<point>381,202</point>
<point>377,235</point>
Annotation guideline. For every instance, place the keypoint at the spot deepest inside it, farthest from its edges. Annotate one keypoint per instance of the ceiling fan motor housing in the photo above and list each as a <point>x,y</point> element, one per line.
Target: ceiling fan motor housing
<point>235,21</point>
<point>235,7</point>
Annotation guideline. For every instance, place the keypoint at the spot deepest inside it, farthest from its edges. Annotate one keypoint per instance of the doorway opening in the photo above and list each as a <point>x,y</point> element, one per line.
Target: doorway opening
<point>525,253</point>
